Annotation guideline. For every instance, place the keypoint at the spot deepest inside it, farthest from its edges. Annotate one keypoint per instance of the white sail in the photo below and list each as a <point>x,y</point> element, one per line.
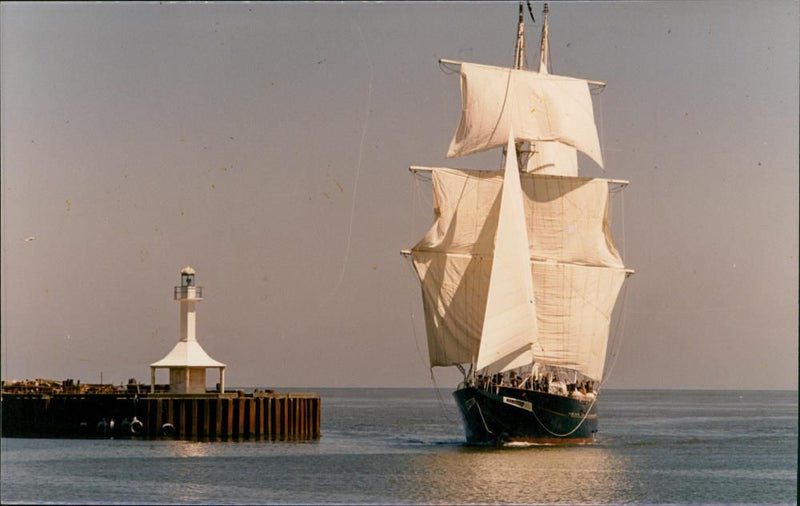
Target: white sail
<point>539,107</point>
<point>454,302</point>
<point>509,326</point>
<point>552,158</point>
<point>576,269</point>
<point>573,310</point>
<point>566,217</point>
<point>567,220</point>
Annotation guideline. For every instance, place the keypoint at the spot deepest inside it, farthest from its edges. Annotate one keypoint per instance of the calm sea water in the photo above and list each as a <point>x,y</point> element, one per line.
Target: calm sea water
<point>406,446</point>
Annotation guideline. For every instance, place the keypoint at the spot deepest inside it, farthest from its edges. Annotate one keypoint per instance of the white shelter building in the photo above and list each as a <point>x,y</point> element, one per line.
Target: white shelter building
<point>188,361</point>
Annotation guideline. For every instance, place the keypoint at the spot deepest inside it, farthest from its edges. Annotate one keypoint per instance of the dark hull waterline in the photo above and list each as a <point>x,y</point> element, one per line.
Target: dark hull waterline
<point>500,415</point>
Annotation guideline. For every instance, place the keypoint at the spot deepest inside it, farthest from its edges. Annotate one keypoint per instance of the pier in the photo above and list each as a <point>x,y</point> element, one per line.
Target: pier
<point>213,416</point>
<point>184,408</point>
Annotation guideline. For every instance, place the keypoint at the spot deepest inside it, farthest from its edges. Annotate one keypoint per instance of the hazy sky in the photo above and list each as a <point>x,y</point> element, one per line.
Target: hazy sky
<point>267,146</point>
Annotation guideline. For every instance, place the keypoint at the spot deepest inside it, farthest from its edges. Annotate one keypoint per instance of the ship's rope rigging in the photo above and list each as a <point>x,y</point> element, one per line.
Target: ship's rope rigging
<point>439,397</point>
<point>449,68</point>
<point>573,286</point>
<point>419,350</point>
<point>600,129</point>
<point>453,68</point>
<point>578,426</point>
<point>617,333</point>
<point>416,196</point>
<point>619,328</point>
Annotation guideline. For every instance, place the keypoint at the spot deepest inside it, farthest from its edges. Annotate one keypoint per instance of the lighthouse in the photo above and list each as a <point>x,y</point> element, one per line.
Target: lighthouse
<point>188,361</point>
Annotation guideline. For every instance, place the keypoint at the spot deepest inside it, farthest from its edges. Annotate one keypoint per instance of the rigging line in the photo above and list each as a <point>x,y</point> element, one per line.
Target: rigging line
<point>586,415</point>
<point>502,110</point>
<point>414,320</point>
<point>619,333</point>
<point>549,58</point>
<point>439,396</point>
<point>619,328</point>
<point>360,157</point>
<point>449,70</point>
<point>416,199</point>
<point>414,205</point>
<point>4,256</point>
<point>602,130</point>
<point>622,219</point>
<point>415,196</point>
<point>480,412</point>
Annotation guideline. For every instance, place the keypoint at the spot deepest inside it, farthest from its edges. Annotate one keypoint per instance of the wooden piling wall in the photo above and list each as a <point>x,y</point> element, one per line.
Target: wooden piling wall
<point>204,417</point>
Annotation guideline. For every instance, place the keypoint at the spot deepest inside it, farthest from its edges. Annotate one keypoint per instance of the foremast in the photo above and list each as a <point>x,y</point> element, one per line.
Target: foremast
<point>544,48</point>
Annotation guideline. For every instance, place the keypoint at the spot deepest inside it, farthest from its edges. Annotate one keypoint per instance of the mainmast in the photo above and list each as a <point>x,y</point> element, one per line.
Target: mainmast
<point>519,63</point>
<point>523,155</point>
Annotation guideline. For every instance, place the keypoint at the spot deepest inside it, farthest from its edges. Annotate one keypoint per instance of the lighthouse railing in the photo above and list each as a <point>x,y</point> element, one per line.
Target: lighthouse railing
<point>188,292</point>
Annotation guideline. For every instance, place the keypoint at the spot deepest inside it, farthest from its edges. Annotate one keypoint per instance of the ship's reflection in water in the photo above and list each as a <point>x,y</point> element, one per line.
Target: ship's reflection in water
<point>572,474</point>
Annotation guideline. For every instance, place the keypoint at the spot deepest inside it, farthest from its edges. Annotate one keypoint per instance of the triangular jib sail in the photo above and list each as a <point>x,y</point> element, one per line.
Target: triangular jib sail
<point>509,326</point>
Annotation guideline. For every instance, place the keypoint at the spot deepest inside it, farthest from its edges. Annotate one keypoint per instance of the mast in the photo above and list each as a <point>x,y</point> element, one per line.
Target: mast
<point>519,63</point>
<point>544,45</point>
<point>519,56</point>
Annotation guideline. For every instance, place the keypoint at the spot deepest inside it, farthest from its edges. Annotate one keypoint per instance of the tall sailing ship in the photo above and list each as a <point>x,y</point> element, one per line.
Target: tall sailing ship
<point>519,272</point>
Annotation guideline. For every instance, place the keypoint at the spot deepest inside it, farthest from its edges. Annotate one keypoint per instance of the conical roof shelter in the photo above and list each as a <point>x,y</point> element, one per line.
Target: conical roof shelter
<point>187,354</point>
<point>187,362</point>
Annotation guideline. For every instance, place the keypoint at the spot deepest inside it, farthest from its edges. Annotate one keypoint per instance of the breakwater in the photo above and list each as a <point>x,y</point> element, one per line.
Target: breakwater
<point>211,416</point>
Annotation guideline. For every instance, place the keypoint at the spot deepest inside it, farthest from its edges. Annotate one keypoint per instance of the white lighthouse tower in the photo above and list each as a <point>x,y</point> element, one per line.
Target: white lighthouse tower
<point>188,361</point>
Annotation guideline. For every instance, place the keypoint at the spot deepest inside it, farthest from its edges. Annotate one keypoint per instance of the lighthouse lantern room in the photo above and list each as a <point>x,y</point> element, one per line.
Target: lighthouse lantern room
<point>188,361</point>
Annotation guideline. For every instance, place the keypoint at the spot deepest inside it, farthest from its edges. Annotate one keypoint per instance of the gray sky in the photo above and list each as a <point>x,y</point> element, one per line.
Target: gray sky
<point>267,146</point>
